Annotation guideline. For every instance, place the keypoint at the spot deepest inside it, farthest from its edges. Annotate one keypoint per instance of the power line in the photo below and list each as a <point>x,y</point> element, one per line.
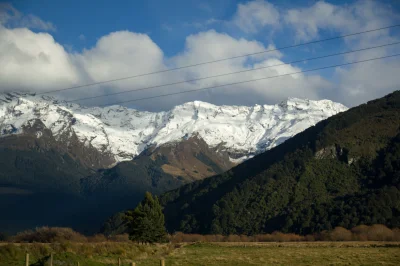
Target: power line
<point>251,80</point>
<point>219,60</point>
<point>231,73</point>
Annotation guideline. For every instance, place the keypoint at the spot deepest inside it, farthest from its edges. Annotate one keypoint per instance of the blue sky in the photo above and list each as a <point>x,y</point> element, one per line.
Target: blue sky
<point>163,29</point>
<point>167,22</point>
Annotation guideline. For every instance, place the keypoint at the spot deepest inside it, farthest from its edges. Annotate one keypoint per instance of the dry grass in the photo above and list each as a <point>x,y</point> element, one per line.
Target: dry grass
<point>337,247</point>
<point>375,232</point>
<point>301,253</point>
<point>173,170</point>
<point>225,253</point>
<point>67,253</point>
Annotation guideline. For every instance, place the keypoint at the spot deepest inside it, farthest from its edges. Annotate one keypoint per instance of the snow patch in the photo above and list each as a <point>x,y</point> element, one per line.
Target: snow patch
<point>126,132</point>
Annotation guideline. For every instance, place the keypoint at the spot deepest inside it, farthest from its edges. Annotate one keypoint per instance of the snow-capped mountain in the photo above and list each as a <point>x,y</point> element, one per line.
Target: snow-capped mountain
<point>123,133</point>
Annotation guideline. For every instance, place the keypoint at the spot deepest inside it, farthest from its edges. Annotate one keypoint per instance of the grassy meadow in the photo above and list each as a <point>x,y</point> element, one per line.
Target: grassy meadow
<point>187,254</point>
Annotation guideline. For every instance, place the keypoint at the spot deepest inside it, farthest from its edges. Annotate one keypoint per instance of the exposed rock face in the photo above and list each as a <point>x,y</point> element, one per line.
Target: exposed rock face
<point>325,153</point>
<point>335,152</point>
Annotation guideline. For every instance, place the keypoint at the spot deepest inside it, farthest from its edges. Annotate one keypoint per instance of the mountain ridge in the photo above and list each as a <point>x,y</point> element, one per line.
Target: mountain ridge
<point>344,171</point>
<point>67,152</point>
<point>122,133</point>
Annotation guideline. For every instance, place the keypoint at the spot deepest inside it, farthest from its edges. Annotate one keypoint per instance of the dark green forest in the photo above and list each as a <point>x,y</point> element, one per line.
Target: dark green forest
<point>344,171</point>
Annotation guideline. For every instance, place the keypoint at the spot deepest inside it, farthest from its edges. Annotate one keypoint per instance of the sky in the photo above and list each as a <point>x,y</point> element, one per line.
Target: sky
<point>50,45</point>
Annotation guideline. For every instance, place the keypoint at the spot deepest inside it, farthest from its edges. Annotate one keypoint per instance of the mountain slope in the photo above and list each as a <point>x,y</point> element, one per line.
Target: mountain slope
<point>120,134</point>
<point>39,182</point>
<point>60,161</point>
<point>156,170</point>
<point>42,184</point>
<point>342,171</point>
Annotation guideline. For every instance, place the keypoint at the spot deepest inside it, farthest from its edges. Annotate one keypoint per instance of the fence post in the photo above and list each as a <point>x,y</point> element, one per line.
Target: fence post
<point>79,263</point>
<point>51,259</point>
<point>162,262</point>
<point>27,259</point>
<point>119,261</point>
<point>133,264</point>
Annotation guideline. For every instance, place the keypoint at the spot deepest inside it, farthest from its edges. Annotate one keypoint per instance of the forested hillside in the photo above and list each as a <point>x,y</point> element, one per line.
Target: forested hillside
<point>59,160</point>
<point>344,171</point>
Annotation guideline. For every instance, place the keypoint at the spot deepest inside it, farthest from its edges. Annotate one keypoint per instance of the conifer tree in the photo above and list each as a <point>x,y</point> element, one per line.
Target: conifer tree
<point>147,221</point>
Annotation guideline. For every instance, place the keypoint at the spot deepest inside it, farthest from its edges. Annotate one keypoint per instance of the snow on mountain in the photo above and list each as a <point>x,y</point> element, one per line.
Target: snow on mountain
<point>124,133</point>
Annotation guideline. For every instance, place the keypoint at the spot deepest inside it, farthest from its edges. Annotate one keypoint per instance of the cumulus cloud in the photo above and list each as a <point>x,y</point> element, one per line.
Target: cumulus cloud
<point>120,54</point>
<point>361,82</point>
<point>212,45</point>
<point>254,15</point>
<point>10,16</point>
<point>36,62</point>
<point>359,16</point>
<point>368,81</point>
<point>308,21</point>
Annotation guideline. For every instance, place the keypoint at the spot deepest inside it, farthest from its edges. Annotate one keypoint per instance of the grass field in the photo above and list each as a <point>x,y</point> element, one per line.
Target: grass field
<point>291,253</point>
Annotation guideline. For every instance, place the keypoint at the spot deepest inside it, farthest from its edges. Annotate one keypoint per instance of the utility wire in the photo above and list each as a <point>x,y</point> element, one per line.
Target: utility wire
<point>220,60</point>
<point>231,73</point>
<point>251,80</point>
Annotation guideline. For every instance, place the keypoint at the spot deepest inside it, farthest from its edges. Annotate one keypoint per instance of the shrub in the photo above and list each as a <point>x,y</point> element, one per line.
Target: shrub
<point>323,236</point>
<point>214,238</point>
<point>263,238</point>
<point>379,232</point>
<point>97,238</point>
<point>341,234</point>
<point>193,238</point>
<point>396,234</point>
<point>309,238</point>
<point>233,238</point>
<point>360,233</point>
<point>49,235</point>
<point>181,237</point>
<point>176,238</point>
<point>120,238</point>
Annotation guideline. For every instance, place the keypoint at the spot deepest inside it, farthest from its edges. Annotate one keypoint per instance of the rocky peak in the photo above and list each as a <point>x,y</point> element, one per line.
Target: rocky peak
<point>122,133</point>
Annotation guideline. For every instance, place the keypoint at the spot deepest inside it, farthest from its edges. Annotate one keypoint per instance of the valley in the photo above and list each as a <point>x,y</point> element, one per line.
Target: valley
<point>94,162</point>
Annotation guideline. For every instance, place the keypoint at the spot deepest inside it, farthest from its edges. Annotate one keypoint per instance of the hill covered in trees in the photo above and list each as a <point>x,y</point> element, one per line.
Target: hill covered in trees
<point>344,171</point>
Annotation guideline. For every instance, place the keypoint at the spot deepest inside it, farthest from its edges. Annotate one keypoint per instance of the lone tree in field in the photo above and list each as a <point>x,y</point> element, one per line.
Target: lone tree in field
<point>147,221</point>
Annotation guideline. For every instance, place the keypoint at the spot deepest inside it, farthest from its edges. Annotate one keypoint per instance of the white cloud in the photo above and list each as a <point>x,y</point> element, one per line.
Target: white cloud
<point>253,16</point>
<point>9,16</point>
<point>359,16</point>
<point>36,62</point>
<point>211,45</point>
<point>357,83</point>
<point>363,82</point>
<point>120,54</point>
